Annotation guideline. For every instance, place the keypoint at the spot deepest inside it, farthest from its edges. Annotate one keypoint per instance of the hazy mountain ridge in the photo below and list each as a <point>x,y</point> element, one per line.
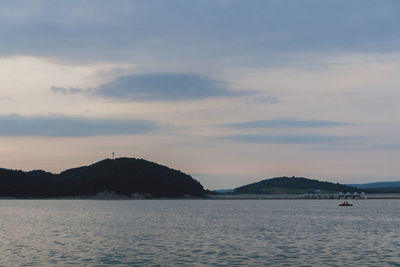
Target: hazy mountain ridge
<point>377,185</point>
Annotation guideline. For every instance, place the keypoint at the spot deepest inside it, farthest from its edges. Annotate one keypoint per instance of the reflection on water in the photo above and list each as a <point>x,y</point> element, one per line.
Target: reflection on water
<point>199,232</point>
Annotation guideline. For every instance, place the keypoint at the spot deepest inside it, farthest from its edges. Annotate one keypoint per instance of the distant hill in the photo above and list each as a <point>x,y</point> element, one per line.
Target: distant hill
<point>292,185</point>
<point>377,185</point>
<point>380,187</point>
<point>224,191</point>
<point>123,176</point>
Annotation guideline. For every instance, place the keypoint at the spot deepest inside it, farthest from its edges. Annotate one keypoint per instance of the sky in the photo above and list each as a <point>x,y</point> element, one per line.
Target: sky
<point>228,91</point>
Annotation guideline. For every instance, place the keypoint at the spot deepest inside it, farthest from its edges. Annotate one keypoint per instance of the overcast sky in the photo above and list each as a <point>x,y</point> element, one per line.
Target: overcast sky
<point>230,92</point>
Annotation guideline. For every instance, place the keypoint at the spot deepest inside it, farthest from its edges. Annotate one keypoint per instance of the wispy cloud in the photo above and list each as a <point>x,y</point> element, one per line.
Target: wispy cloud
<point>321,142</point>
<point>287,123</point>
<point>289,139</point>
<point>158,87</point>
<point>69,126</point>
<point>267,100</point>
<point>72,90</point>
<point>6,98</point>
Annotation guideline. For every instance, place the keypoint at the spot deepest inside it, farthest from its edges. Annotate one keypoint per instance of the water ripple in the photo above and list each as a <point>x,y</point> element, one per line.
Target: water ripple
<point>199,232</point>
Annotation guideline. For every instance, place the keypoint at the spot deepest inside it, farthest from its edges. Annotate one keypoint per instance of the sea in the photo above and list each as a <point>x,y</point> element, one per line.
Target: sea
<point>191,232</point>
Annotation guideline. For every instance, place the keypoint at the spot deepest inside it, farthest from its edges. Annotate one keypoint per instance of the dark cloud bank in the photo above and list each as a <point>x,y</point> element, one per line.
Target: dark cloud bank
<point>69,126</point>
<point>158,87</point>
<point>119,29</point>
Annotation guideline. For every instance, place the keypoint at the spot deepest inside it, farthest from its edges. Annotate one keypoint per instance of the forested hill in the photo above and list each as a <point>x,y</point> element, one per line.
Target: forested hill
<point>123,176</point>
<point>292,185</point>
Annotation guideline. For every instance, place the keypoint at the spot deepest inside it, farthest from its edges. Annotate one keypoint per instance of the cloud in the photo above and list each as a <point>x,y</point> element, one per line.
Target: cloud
<point>6,98</point>
<point>369,145</point>
<point>158,87</point>
<point>290,139</point>
<point>70,126</point>
<point>268,100</point>
<point>286,123</point>
<point>195,29</point>
<point>72,90</point>
<point>320,142</point>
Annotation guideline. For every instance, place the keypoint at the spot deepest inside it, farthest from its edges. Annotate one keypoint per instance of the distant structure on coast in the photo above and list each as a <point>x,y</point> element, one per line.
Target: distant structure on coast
<point>316,194</point>
<point>113,154</point>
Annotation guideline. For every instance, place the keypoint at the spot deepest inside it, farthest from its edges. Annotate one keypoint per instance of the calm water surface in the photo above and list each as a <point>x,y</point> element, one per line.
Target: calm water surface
<point>199,232</point>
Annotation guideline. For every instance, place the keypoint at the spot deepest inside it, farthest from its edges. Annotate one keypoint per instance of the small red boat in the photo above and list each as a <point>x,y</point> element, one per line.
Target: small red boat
<point>345,204</point>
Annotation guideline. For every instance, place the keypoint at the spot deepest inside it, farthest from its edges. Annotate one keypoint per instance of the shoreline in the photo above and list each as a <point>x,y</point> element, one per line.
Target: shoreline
<point>296,197</point>
<point>206,197</point>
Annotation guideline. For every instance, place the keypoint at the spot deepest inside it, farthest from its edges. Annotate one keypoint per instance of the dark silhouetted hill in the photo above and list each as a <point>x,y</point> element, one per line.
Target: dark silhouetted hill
<point>292,185</point>
<point>123,176</point>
